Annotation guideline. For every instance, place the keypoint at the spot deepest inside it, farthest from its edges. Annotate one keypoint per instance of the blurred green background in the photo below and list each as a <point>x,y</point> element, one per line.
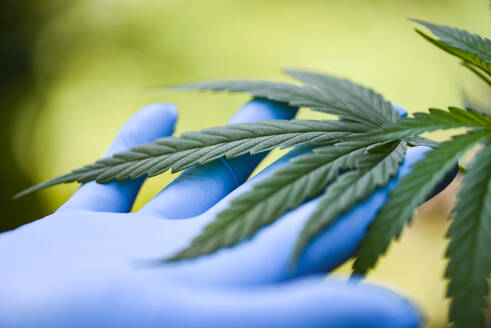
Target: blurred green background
<point>73,72</point>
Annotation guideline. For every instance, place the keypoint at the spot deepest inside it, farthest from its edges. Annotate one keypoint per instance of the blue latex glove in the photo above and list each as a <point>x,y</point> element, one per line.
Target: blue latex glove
<point>77,267</point>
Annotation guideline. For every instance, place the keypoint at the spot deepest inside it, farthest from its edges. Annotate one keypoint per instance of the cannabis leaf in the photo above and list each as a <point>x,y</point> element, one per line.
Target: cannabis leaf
<point>362,110</point>
<point>372,171</point>
<point>470,241</point>
<point>413,189</point>
<point>204,146</point>
<point>436,119</point>
<point>326,94</point>
<point>473,49</point>
<point>287,187</point>
<point>351,95</point>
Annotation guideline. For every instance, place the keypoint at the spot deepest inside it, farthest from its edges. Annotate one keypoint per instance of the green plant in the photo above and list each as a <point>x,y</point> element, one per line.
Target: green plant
<point>367,144</point>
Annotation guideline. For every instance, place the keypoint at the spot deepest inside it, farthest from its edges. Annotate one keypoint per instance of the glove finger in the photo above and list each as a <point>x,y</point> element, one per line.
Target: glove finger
<point>200,187</point>
<point>402,112</point>
<point>150,123</point>
<point>303,303</point>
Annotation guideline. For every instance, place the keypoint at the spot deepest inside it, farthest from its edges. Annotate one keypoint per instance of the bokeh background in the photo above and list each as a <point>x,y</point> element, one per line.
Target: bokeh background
<point>72,72</point>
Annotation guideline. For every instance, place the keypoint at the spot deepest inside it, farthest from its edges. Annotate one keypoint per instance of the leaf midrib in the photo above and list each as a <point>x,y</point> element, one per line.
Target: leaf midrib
<point>267,137</point>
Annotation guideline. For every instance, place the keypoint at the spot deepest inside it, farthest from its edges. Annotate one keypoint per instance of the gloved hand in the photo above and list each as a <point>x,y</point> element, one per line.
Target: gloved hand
<point>81,266</point>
